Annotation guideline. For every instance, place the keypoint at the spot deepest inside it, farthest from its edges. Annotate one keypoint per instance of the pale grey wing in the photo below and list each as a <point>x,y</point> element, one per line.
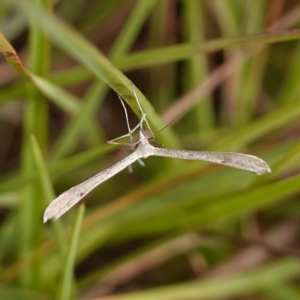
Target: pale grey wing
<point>69,198</point>
<point>240,161</point>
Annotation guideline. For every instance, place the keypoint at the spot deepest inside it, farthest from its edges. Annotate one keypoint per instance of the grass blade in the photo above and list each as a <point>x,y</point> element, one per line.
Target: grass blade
<point>66,287</point>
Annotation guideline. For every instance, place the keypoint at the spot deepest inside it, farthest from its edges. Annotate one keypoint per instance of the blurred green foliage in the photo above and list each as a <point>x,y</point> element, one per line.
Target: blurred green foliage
<point>174,229</point>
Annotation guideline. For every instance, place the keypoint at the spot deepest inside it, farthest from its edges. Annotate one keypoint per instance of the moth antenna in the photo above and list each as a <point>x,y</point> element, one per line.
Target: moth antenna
<point>140,107</point>
<point>171,121</point>
<point>127,120</point>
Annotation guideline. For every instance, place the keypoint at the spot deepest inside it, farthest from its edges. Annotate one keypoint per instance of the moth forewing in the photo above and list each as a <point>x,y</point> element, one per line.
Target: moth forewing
<point>69,198</point>
<point>240,161</point>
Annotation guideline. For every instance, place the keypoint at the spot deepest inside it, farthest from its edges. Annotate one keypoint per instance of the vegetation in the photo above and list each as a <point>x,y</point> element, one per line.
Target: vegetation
<point>225,74</point>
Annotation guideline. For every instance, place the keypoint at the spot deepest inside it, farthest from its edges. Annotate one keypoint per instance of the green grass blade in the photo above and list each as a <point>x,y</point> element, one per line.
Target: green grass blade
<point>197,66</point>
<point>281,291</point>
<point>59,168</point>
<point>11,57</point>
<point>95,94</point>
<point>231,286</point>
<point>64,100</point>
<point>150,58</point>
<point>15,293</point>
<point>259,128</point>
<point>66,286</point>
<point>228,16</point>
<point>162,78</point>
<point>77,47</point>
<point>289,91</point>
<point>48,191</point>
<point>35,122</point>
